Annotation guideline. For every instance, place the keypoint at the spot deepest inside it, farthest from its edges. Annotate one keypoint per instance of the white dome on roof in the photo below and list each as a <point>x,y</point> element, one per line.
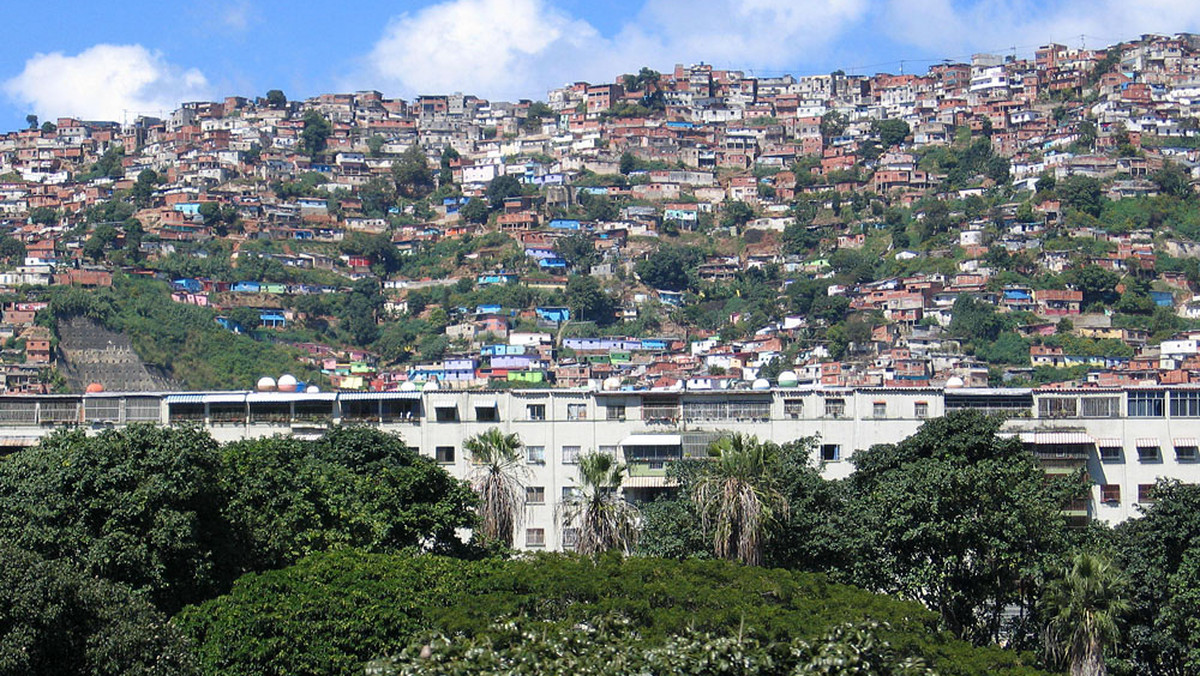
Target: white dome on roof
<point>431,386</point>
<point>312,389</point>
<point>408,386</point>
<point>287,383</point>
<point>761,384</point>
<point>788,379</point>
<point>611,384</point>
<point>955,382</point>
<point>266,384</point>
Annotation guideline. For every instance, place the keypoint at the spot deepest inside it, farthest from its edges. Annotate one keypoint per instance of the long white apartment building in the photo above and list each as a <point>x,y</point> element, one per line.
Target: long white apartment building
<point>1126,438</point>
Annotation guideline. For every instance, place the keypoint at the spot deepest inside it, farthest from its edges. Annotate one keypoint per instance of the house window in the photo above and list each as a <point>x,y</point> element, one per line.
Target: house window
<point>1146,404</point>
<point>1145,494</point>
<point>879,409</point>
<point>1058,407</point>
<point>1185,404</point>
<point>615,412</point>
<point>576,411</point>
<point>535,455</point>
<point>835,408</point>
<point>570,455</point>
<point>1100,407</point>
<point>1185,453</point>
<point>571,493</point>
<point>1110,453</point>
<point>486,414</point>
<point>921,409</point>
<point>570,538</point>
<point>1110,493</point>
<point>444,454</point>
<point>535,495</point>
<point>535,537</point>
<point>1148,453</point>
<point>536,411</point>
<point>446,413</point>
<point>609,450</point>
<point>793,408</point>
<point>831,452</point>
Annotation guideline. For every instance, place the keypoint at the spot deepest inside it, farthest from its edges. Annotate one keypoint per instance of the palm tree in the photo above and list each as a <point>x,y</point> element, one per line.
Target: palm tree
<point>736,499</point>
<point>497,458</point>
<point>1084,608</point>
<point>604,519</point>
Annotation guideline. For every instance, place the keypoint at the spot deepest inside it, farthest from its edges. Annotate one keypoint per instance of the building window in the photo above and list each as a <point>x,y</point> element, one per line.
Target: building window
<point>536,411</point>
<point>570,455</point>
<point>879,409</point>
<point>921,409</point>
<point>1058,407</point>
<point>831,452</point>
<point>445,413</point>
<point>576,411</point>
<point>535,455</point>
<point>535,537</point>
<point>1145,494</point>
<point>571,493</point>
<point>609,450</point>
<point>1100,407</point>
<point>1148,453</point>
<point>793,408</point>
<point>535,495</point>
<point>1186,453</point>
<point>1145,404</point>
<point>1110,453</point>
<point>1110,493</point>
<point>445,454</point>
<point>486,414</point>
<point>835,408</point>
<point>570,538</point>
<point>1185,404</point>
<point>615,412</point>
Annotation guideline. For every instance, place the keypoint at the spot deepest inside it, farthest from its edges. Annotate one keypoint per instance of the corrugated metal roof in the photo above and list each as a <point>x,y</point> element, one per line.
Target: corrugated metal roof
<point>647,482</point>
<point>359,396</point>
<point>652,440</point>
<point>185,398</point>
<point>1055,438</point>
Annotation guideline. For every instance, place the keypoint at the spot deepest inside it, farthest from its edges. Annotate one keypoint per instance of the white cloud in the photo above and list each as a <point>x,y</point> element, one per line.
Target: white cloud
<point>519,48</point>
<point>954,27</point>
<point>236,17</point>
<point>104,81</point>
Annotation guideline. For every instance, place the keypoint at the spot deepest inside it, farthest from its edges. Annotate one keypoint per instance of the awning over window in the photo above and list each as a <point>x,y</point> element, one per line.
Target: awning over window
<point>445,403</point>
<point>357,396</point>
<point>647,482</point>
<point>1185,442</point>
<point>1148,442</point>
<point>485,403</point>
<point>653,440</point>
<point>1109,442</point>
<point>187,398</point>
<point>1056,438</point>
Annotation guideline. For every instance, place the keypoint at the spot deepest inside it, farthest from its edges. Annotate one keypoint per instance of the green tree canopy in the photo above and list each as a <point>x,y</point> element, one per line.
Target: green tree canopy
<point>414,179</point>
<point>315,133</point>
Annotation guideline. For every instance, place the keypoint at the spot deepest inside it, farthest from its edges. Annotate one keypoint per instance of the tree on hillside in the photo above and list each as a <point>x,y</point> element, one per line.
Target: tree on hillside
<point>891,132</point>
<point>414,179</point>
<point>496,479</point>
<point>974,549</point>
<point>588,302</point>
<point>474,211</point>
<point>315,133</point>
<point>738,502</point>
<point>736,214</point>
<point>833,124</point>
<point>667,268</point>
<point>276,99</point>
<point>32,121</point>
<point>601,517</point>
<point>1084,609</point>
<point>500,189</point>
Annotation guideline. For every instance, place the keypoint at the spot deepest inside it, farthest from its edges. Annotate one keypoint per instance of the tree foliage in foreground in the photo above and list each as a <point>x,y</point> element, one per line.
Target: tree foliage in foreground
<point>169,513</point>
<point>55,619</point>
<point>612,647</point>
<point>334,612</point>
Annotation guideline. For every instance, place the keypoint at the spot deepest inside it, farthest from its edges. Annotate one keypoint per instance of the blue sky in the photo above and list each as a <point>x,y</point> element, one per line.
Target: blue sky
<point>109,60</point>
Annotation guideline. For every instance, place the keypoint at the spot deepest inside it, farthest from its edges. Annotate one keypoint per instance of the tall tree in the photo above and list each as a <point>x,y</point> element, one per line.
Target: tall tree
<point>1084,608</point>
<point>315,134</point>
<point>737,500</point>
<point>414,178</point>
<point>973,550</point>
<point>497,459</point>
<point>603,518</point>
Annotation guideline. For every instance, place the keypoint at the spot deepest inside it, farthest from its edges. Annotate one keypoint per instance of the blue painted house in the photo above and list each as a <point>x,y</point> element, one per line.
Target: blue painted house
<point>557,315</point>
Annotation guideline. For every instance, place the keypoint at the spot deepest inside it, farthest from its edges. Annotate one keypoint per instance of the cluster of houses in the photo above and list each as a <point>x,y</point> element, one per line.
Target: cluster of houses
<point>689,143</point>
